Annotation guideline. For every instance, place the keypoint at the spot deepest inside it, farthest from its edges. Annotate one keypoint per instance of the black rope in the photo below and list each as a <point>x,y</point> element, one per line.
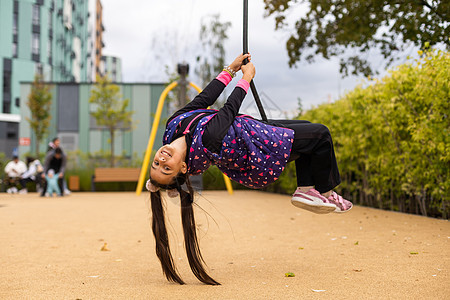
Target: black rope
<point>252,84</point>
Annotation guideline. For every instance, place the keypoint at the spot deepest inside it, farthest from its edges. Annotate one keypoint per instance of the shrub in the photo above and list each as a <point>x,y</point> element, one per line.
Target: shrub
<point>392,138</point>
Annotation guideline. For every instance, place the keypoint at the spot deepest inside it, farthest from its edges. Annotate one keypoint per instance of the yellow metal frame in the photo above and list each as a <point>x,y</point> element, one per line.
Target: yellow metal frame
<point>151,140</point>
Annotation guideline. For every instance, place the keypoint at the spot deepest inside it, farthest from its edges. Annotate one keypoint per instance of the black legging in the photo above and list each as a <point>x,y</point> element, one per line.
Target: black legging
<point>313,152</point>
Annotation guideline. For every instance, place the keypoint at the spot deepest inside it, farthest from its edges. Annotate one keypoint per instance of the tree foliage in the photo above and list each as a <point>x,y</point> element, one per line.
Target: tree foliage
<point>331,27</point>
<point>111,110</point>
<point>213,34</point>
<point>39,103</point>
<point>209,57</point>
<point>392,139</point>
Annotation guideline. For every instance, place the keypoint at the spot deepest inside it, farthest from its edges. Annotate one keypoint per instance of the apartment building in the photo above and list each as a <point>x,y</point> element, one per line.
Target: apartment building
<point>61,39</point>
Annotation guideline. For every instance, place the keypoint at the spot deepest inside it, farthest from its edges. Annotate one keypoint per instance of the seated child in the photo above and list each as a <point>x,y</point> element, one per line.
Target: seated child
<point>52,183</point>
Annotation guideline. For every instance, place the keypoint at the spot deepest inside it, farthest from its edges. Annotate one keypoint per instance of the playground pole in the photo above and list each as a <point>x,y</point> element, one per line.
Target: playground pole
<point>151,140</point>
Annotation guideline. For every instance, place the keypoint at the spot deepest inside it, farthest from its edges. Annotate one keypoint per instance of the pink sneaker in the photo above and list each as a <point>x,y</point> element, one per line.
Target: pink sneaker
<point>342,205</point>
<point>313,201</point>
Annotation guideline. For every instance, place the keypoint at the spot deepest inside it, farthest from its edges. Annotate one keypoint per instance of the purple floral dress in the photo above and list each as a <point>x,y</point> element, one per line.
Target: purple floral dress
<point>253,153</point>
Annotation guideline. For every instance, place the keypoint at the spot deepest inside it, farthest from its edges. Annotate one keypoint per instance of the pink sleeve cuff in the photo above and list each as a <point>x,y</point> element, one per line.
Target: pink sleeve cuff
<point>243,84</point>
<point>224,77</point>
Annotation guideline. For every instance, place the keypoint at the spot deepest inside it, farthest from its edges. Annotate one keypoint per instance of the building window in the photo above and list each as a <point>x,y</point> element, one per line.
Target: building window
<point>35,43</point>
<point>50,20</point>
<point>68,108</point>
<point>6,82</point>
<point>35,47</point>
<point>49,49</point>
<point>6,89</point>
<point>39,69</point>
<point>15,22</point>
<point>6,107</point>
<point>15,33</point>
<point>36,14</point>
<point>14,50</point>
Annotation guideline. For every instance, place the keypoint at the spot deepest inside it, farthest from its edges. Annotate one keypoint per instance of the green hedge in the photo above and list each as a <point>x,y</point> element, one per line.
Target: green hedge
<point>392,139</point>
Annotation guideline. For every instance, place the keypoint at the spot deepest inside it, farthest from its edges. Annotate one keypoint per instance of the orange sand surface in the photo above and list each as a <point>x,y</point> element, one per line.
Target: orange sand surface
<point>50,248</point>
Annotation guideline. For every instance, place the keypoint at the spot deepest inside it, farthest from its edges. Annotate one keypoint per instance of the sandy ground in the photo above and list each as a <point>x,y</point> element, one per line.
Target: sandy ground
<point>50,249</point>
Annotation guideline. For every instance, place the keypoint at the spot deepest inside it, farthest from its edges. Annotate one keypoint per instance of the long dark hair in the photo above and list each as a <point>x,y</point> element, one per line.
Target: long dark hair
<point>30,159</point>
<point>194,255</point>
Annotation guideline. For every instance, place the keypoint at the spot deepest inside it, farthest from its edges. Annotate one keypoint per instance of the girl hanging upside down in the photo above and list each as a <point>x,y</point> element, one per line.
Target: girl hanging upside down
<point>249,151</point>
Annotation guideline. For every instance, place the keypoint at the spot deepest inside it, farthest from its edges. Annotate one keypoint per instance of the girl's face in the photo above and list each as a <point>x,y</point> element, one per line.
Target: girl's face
<point>168,162</point>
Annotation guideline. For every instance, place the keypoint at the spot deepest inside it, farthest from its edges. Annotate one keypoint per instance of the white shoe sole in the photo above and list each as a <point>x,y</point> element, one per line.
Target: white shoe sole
<point>339,211</point>
<point>315,206</point>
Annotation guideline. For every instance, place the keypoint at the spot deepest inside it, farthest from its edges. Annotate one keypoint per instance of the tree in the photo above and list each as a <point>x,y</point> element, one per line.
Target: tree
<point>331,27</point>
<point>39,102</point>
<point>392,138</point>
<point>211,59</point>
<point>111,110</point>
<point>213,34</point>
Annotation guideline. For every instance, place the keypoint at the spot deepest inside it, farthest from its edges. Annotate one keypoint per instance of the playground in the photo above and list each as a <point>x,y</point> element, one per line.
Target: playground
<point>100,246</point>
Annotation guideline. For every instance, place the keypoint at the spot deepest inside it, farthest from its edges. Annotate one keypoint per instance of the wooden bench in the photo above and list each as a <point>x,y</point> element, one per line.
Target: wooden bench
<point>115,175</point>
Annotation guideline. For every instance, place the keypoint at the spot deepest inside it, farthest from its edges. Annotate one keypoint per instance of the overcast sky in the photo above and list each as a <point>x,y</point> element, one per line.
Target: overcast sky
<point>148,34</point>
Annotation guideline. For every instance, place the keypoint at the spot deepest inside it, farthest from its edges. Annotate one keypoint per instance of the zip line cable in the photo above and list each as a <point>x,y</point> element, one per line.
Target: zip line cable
<point>245,46</point>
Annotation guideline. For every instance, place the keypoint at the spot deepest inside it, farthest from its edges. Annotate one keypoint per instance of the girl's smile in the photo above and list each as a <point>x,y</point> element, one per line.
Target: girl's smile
<point>168,162</point>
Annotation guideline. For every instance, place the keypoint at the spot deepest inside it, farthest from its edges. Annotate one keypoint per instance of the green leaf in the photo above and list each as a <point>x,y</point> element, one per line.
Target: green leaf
<point>330,28</point>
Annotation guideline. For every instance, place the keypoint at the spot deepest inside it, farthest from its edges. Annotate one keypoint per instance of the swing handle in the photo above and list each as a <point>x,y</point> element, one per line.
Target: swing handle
<point>245,28</point>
